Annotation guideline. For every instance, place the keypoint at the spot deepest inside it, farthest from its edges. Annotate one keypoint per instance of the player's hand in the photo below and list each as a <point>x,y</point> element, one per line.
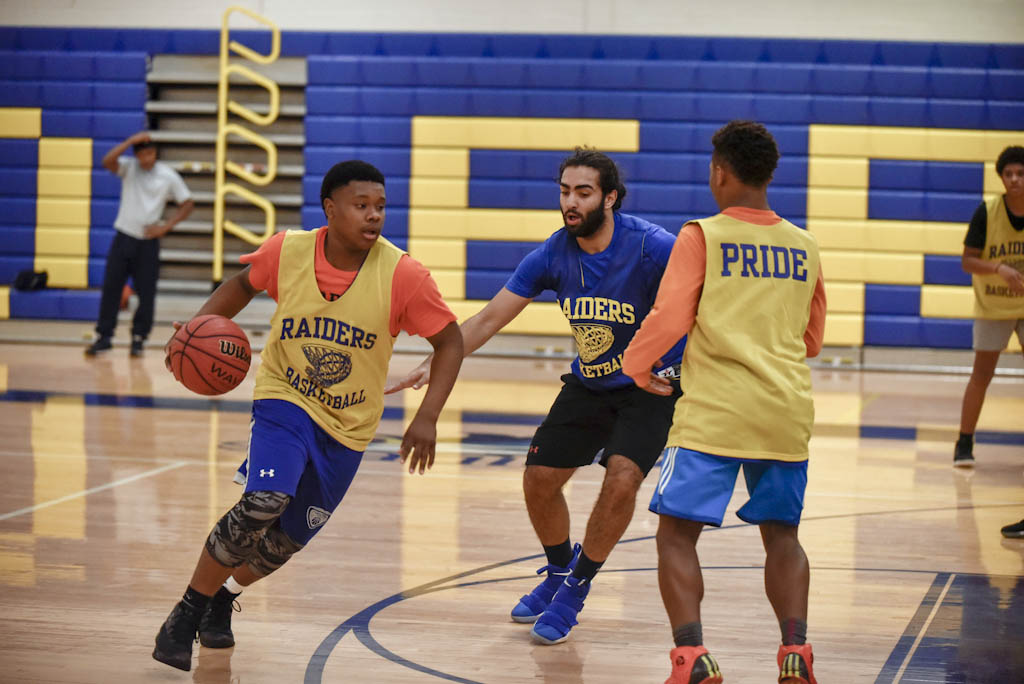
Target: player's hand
<point>140,137</point>
<point>418,444</point>
<point>167,347</point>
<point>1013,278</point>
<point>416,378</point>
<point>155,230</point>
<point>658,385</point>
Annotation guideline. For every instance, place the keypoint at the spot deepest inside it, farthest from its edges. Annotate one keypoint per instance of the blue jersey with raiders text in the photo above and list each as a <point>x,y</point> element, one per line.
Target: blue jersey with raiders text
<point>605,296</point>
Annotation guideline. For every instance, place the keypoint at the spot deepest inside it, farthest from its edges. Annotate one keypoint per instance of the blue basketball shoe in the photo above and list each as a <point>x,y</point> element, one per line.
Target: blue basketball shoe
<point>553,626</point>
<point>533,604</point>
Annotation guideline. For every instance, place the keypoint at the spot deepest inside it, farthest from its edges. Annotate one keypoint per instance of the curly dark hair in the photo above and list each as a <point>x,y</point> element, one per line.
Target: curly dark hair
<point>748,149</point>
<point>1014,154</point>
<point>606,169</point>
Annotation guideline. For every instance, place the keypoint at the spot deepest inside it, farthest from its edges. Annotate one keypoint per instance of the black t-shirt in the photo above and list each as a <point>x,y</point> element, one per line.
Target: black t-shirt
<point>976,233</point>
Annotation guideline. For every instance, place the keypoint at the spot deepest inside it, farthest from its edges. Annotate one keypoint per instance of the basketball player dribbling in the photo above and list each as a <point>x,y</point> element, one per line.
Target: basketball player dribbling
<point>343,294</point>
<point>605,268</point>
<point>746,286</point>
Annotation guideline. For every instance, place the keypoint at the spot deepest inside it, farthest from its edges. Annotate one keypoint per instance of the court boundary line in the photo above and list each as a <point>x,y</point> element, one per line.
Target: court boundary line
<point>924,628</point>
<point>94,490</point>
<point>359,624</point>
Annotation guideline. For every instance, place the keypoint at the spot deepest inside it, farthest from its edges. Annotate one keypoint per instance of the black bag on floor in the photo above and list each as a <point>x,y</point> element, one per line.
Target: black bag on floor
<point>28,280</point>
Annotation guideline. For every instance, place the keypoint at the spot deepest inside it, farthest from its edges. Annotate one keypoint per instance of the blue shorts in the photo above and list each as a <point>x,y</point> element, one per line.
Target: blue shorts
<point>290,453</point>
<point>697,486</point>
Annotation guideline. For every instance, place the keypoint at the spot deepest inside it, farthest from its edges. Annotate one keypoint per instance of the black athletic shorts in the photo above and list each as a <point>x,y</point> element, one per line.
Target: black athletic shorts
<point>582,422</point>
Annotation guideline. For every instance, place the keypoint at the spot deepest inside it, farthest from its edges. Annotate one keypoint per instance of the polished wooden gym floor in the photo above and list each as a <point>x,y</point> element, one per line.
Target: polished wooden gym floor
<point>113,474</point>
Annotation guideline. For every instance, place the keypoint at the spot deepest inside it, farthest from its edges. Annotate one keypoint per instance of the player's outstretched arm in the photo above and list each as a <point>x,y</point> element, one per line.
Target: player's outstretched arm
<point>227,300</point>
<point>420,439</point>
<point>476,330</point>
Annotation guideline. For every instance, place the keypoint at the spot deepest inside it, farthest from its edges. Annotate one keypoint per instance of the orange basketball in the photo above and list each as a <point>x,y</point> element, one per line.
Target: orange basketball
<point>209,355</point>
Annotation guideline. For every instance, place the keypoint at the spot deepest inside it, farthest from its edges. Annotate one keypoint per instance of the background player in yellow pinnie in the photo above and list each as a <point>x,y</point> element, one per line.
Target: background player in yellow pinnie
<point>994,256</point>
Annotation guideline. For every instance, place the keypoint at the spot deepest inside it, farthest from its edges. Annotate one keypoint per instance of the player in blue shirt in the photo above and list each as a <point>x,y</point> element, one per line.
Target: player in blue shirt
<point>605,268</point>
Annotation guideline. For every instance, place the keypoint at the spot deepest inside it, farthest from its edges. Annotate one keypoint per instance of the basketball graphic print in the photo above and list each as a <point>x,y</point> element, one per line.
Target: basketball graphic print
<point>210,355</point>
<point>592,340</point>
<point>330,366</point>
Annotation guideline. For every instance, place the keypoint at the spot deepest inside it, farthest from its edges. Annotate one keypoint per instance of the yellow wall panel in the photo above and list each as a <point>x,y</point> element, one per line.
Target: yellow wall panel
<point>528,134</point>
<point>451,282</point>
<point>943,238</point>
<point>438,253</point>
<point>484,224</point>
<point>53,182</point>
<point>428,162</point>
<point>65,153</point>
<point>844,330</point>
<point>63,271</point>
<point>848,141</point>
<point>539,318</point>
<point>21,122</point>
<point>888,236</point>
<point>897,143</point>
<point>953,145</point>
<point>873,267</point>
<point>835,203</point>
<point>62,241</point>
<point>62,212</point>
<point>947,301</point>
<point>438,192</point>
<point>904,269</point>
<point>838,233</point>
<point>837,172</point>
<point>844,297</point>
<point>997,141</point>
<point>993,183</point>
<point>5,306</point>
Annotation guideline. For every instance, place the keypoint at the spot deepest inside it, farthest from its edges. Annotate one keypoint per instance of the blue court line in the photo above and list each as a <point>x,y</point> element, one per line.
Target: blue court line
<point>359,624</point>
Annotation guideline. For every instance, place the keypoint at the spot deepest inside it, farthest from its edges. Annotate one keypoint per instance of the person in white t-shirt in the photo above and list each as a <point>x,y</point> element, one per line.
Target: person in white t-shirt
<point>146,187</point>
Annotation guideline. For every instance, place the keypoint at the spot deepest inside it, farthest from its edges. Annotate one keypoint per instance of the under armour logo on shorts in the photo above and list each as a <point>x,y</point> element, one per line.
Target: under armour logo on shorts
<point>315,517</point>
<point>266,473</point>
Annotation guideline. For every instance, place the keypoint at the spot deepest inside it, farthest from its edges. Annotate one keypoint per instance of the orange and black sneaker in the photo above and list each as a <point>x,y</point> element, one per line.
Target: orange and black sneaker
<point>693,665</point>
<point>795,665</point>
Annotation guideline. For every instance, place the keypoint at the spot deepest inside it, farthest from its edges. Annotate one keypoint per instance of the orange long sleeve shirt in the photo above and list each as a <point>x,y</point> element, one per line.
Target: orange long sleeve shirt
<point>675,307</point>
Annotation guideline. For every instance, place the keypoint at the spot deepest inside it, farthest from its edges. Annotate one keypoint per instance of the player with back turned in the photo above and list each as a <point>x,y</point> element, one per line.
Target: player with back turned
<point>746,285</point>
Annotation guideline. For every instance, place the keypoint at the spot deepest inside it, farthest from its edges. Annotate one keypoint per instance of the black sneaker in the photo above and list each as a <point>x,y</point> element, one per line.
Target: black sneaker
<point>963,455</point>
<point>101,344</point>
<point>1014,531</point>
<point>174,640</point>
<point>215,627</point>
<point>136,348</point>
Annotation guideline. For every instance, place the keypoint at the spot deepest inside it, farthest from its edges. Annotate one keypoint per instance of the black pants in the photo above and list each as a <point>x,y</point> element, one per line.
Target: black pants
<point>139,259</point>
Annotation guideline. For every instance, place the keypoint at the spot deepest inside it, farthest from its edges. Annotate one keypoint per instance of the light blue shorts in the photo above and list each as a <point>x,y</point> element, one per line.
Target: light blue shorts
<point>697,486</point>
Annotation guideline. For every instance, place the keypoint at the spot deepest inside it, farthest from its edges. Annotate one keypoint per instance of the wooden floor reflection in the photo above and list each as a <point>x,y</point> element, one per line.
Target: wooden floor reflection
<point>113,475</point>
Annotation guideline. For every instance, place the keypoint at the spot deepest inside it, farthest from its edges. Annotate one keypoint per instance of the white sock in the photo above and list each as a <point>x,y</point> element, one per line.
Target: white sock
<point>233,586</point>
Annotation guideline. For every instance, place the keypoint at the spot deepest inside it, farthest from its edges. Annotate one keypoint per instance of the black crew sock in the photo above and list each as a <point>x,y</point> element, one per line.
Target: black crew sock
<point>794,632</point>
<point>690,634</point>
<point>966,441</point>
<point>586,568</point>
<point>560,554</point>
<point>195,600</point>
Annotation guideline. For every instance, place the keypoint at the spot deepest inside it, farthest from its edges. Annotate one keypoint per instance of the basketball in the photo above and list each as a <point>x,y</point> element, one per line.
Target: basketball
<point>210,355</point>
